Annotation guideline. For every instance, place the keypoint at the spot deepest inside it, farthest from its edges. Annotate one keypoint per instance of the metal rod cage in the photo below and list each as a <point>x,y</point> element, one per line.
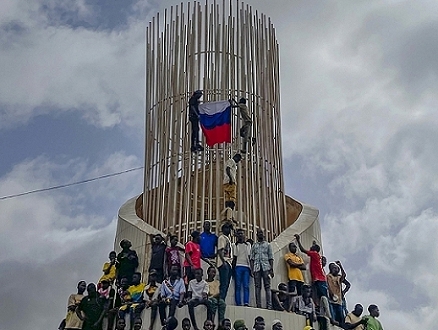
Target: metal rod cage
<point>226,50</point>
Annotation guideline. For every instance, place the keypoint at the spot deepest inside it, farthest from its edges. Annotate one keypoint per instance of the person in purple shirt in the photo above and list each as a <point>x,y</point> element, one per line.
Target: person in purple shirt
<point>208,242</point>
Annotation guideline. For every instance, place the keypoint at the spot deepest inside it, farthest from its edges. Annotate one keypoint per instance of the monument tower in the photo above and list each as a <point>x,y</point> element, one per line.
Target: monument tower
<point>227,50</point>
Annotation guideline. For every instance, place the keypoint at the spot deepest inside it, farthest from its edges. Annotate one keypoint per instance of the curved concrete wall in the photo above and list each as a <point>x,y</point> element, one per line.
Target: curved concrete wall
<point>130,226</point>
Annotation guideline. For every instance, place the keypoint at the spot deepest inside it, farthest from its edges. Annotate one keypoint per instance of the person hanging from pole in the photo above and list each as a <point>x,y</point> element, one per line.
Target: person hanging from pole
<point>230,186</point>
<point>245,130</point>
<point>194,121</point>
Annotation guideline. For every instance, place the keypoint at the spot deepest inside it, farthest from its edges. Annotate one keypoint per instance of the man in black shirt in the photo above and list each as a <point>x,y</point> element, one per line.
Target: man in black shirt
<point>127,261</point>
<point>194,121</point>
<point>157,256</point>
<point>91,309</point>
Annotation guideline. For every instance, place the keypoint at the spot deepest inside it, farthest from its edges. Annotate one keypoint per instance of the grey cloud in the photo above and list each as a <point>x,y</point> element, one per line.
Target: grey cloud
<point>37,292</point>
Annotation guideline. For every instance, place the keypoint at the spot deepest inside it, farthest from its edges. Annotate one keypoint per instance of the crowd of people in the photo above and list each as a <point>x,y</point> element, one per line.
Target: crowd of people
<point>176,280</point>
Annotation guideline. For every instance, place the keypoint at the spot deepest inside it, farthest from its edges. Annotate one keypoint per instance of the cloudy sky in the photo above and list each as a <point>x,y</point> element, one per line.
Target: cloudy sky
<point>359,92</point>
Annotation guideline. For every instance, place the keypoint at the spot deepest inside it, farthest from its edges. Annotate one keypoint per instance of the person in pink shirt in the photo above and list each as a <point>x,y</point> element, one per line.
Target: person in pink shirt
<point>316,270</point>
<point>172,254</point>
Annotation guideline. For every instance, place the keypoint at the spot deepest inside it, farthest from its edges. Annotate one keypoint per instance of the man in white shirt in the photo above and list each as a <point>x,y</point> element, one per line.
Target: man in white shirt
<point>230,185</point>
<point>197,295</point>
<point>241,267</point>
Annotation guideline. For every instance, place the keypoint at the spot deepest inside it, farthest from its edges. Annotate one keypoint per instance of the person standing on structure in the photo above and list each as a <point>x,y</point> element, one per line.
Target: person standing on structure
<point>245,130</point>
<point>230,186</point>
<point>194,121</point>
<point>262,267</point>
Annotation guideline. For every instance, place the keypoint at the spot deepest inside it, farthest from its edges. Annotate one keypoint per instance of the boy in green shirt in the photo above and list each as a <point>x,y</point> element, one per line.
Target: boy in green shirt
<point>372,322</point>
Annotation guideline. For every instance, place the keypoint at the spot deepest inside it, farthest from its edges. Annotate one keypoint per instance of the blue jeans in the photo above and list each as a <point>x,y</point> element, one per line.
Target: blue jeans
<point>344,308</point>
<point>321,288</point>
<point>337,313</point>
<point>242,274</point>
<point>224,278</point>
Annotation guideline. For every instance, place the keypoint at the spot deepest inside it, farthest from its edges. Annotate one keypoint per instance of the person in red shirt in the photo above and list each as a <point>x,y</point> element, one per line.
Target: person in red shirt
<point>316,270</point>
<point>192,259</point>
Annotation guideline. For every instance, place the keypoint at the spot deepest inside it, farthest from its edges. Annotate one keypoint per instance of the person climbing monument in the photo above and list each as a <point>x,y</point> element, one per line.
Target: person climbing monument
<point>230,186</point>
<point>245,130</point>
<point>194,121</point>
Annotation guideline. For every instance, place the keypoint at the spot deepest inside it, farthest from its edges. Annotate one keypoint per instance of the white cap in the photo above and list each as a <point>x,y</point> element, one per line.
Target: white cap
<point>275,322</point>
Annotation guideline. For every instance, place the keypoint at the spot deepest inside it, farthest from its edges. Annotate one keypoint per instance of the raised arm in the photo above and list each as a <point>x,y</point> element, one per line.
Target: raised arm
<point>343,274</point>
<point>300,246</point>
<point>233,103</point>
<point>347,286</point>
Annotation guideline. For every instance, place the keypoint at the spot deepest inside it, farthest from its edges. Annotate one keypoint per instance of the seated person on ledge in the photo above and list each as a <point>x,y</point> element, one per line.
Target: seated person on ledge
<point>133,300</point>
<point>151,297</point>
<point>172,292</point>
<point>282,298</point>
<point>304,305</point>
<point>215,303</point>
<point>197,295</point>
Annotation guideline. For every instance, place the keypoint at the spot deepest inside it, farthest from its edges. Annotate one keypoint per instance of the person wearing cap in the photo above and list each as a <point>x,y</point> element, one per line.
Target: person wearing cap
<point>224,260</point>
<point>259,323</point>
<point>127,261</point>
<point>245,130</point>
<point>277,325</point>
<point>158,252</point>
<point>194,121</point>
<point>334,282</point>
<point>193,256</point>
<point>151,296</point>
<point>239,325</point>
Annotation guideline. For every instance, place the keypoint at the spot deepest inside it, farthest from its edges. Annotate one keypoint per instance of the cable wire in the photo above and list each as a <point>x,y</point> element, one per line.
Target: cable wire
<point>72,184</point>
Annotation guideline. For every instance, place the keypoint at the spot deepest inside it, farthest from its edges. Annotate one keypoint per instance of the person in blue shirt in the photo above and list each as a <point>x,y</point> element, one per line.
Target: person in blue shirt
<point>208,242</point>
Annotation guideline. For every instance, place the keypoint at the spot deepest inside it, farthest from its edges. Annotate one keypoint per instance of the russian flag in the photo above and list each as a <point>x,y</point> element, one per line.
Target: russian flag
<point>215,119</point>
